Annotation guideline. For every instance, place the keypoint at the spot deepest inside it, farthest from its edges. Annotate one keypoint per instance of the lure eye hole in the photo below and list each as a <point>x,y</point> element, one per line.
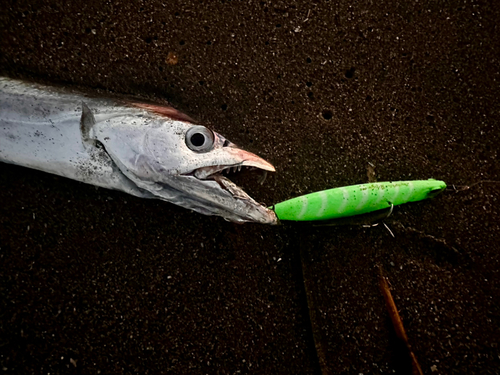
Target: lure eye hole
<point>200,139</point>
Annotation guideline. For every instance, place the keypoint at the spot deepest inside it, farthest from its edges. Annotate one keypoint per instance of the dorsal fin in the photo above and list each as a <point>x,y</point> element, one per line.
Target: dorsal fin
<point>86,122</point>
<point>166,111</point>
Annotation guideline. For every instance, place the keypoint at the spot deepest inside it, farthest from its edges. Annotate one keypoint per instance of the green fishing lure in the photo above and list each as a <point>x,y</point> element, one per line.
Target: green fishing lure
<point>356,199</point>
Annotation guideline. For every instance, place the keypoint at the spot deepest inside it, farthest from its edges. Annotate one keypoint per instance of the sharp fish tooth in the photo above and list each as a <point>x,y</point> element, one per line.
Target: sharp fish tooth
<point>239,168</point>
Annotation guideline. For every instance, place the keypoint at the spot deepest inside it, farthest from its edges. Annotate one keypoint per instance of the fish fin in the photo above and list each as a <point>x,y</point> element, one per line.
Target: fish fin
<point>163,110</point>
<point>87,121</point>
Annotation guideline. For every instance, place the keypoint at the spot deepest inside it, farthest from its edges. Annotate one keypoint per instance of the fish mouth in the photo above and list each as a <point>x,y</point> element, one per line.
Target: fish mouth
<point>216,173</point>
<point>252,210</point>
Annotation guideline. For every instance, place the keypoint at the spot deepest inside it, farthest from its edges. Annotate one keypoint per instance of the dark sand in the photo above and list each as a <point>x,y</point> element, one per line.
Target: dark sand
<point>97,281</point>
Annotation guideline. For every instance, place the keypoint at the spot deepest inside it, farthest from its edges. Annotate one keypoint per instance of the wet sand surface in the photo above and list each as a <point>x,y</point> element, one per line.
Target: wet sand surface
<point>96,281</point>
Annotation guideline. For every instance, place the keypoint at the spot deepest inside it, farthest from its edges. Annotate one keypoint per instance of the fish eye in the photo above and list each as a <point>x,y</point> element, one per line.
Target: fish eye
<point>200,139</point>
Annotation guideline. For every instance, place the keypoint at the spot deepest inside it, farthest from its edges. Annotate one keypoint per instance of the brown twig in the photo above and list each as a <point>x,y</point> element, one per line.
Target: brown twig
<point>397,322</point>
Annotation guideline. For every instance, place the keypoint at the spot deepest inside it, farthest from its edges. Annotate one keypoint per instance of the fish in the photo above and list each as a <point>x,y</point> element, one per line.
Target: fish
<point>143,149</point>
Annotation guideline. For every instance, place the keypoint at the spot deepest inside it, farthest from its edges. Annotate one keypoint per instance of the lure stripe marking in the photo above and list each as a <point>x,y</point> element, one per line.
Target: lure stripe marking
<point>345,195</point>
<point>411,189</point>
<point>363,201</point>
<point>303,210</point>
<point>324,203</point>
<point>396,193</point>
<point>380,195</point>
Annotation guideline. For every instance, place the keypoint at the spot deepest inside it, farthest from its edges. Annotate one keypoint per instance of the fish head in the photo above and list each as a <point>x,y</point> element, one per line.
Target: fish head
<point>184,163</point>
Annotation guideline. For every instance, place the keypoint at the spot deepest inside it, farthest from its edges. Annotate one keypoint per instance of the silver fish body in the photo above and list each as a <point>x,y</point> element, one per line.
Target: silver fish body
<point>145,150</point>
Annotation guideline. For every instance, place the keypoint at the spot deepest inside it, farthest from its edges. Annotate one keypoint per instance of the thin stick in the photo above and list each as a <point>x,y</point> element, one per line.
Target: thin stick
<point>397,322</point>
<point>386,227</point>
<point>467,187</point>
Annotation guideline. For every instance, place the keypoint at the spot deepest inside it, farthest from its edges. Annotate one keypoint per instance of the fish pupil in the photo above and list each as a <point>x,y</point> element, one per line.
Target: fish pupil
<point>197,139</point>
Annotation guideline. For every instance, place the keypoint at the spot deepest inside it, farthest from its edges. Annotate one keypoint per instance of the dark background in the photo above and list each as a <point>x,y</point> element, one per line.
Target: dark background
<point>95,281</point>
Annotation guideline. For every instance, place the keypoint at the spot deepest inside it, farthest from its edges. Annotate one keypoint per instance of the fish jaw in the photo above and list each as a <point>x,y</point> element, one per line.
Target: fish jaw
<point>208,191</point>
<point>218,196</point>
<point>238,205</point>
